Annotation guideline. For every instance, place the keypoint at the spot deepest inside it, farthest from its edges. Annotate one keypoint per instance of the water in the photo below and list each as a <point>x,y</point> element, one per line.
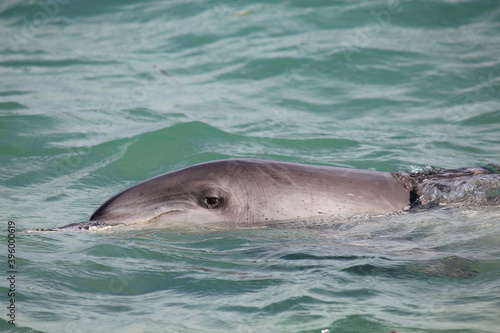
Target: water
<point>97,95</point>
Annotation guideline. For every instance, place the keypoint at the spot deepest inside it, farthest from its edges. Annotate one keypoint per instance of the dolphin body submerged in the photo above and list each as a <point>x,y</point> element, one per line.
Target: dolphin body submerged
<point>248,192</point>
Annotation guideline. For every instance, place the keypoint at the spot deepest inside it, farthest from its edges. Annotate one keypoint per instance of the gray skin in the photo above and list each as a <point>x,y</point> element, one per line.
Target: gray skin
<point>250,192</point>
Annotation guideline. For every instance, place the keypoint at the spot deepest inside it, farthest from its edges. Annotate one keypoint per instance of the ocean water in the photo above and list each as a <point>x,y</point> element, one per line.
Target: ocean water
<point>98,95</point>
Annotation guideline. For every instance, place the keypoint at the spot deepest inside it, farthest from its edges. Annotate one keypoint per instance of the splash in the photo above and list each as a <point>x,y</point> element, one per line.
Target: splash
<point>473,186</point>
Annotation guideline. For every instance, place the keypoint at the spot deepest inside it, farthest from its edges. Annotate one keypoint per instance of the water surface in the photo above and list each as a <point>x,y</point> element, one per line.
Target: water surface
<point>98,95</point>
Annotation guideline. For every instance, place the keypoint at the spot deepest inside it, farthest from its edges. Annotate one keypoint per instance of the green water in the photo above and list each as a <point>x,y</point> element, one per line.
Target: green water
<point>98,95</point>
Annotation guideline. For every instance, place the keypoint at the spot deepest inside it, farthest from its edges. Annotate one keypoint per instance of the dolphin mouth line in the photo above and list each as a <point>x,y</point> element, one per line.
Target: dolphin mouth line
<point>166,213</point>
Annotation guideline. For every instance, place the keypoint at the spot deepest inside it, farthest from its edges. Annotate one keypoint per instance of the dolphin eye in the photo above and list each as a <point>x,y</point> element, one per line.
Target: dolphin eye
<point>212,202</point>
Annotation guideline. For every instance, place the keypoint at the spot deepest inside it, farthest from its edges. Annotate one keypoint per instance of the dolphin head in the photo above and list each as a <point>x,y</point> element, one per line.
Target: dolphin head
<point>203,193</point>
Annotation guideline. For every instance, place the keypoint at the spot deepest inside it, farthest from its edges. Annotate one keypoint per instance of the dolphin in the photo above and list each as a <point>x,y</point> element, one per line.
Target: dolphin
<point>247,192</point>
